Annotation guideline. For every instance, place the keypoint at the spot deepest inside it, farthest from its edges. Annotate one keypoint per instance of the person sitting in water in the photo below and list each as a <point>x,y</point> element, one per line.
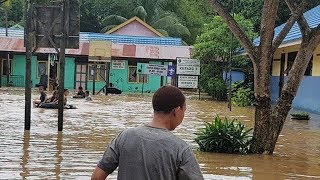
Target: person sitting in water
<point>53,98</point>
<point>65,98</point>
<point>43,97</point>
<point>80,93</point>
<point>87,96</point>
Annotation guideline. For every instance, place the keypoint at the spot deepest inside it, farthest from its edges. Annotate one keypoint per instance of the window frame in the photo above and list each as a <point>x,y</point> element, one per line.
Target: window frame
<point>3,65</point>
<point>138,76</point>
<point>38,62</point>
<point>98,78</point>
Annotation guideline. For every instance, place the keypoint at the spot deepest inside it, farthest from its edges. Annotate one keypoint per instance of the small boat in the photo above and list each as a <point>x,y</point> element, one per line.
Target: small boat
<point>300,117</point>
<point>56,106</point>
<point>78,97</point>
<point>113,90</point>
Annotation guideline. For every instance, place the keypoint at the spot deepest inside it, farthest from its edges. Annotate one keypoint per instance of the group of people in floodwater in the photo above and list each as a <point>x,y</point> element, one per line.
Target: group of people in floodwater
<point>54,98</point>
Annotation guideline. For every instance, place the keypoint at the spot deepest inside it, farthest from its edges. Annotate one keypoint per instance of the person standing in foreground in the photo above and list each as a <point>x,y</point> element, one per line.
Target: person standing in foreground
<point>152,151</point>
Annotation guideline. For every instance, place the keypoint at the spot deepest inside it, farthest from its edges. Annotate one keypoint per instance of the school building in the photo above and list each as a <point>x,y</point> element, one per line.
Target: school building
<point>132,42</point>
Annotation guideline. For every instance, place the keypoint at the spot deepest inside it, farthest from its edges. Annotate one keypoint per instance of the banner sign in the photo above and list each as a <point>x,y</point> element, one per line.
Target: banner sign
<point>188,82</point>
<point>118,64</point>
<point>187,66</point>
<point>156,69</point>
<point>152,69</point>
<point>100,51</point>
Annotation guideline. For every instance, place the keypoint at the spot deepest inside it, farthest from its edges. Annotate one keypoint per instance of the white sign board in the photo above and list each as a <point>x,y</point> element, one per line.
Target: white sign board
<point>118,64</point>
<point>187,66</point>
<point>188,82</point>
<point>156,69</point>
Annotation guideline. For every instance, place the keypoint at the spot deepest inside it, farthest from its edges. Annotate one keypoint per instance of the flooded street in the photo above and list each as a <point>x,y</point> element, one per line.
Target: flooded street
<point>43,153</point>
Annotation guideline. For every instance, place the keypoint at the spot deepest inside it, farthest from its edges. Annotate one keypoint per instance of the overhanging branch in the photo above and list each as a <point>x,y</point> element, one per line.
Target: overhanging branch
<point>302,22</point>
<point>235,28</point>
<point>295,15</point>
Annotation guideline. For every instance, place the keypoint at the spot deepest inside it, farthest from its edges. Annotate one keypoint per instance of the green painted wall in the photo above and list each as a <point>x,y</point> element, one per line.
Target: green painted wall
<point>119,77</point>
<point>69,78</point>
<point>19,68</point>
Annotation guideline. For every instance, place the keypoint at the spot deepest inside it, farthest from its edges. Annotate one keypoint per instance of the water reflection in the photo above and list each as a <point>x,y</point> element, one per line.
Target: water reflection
<point>25,156</point>
<point>58,156</point>
<point>43,153</point>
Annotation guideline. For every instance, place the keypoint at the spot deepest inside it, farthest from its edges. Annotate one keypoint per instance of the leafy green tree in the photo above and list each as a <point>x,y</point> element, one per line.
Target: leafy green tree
<point>212,47</point>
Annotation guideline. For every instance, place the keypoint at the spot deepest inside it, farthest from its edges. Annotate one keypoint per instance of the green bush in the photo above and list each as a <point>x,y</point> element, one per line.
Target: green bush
<point>242,94</point>
<point>228,136</point>
<point>217,88</point>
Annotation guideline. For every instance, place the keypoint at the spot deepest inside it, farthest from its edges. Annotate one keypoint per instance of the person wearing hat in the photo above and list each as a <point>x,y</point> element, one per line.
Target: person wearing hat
<point>153,151</point>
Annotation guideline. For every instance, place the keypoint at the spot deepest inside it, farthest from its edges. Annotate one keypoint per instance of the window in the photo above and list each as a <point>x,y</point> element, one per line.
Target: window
<point>42,68</point>
<point>291,57</point>
<point>101,72</point>
<point>136,78</point>
<point>4,67</point>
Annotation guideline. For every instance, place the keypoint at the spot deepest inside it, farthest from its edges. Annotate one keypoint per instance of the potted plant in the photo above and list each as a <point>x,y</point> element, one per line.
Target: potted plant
<point>300,116</point>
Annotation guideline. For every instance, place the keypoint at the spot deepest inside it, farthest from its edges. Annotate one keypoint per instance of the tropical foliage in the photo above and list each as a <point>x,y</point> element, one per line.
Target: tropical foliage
<point>213,48</point>
<point>184,18</point>
<point>242,94</point>
<point>224,136</point>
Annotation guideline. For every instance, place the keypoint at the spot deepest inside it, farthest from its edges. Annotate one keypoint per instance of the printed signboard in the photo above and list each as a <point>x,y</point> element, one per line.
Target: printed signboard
<point>188,82</point>
<point>118,64</point>
<point>152,69</point>
<point>156,69</point>
<point>187,66</point>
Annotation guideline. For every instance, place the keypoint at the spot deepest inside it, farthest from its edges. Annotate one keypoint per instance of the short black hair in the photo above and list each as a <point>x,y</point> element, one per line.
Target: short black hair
<point>87,92</point>
<point>80,87</point>
<point>166,98</point>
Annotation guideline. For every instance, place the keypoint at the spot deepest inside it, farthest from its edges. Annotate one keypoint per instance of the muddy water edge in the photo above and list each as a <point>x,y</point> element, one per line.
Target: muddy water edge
<point>43,153</point>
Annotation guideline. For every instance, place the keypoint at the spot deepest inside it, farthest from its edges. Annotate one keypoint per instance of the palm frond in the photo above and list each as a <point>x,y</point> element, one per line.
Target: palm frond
<point>140,12</point>
<point>113,20</point>
<point>107,28</point>
<point>163,32</point>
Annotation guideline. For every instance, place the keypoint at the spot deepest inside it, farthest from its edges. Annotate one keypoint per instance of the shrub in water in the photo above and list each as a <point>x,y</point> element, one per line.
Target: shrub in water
<point>228,136</point>
<point>242,94</point>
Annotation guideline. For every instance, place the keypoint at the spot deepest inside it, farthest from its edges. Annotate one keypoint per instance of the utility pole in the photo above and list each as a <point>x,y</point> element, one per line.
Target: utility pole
<point>28,45</point>
<point>64,23</point>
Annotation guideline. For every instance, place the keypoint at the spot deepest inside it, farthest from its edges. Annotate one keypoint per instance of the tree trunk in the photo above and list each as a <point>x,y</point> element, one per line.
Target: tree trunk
<point>269,122</point>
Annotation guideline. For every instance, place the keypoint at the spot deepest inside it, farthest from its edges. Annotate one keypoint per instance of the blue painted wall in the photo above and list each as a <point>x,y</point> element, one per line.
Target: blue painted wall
<point>307,98</point>
<point>236,76</point>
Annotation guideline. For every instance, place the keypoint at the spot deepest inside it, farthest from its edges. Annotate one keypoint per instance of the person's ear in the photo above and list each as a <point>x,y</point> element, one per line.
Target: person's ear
<point>176,110</point>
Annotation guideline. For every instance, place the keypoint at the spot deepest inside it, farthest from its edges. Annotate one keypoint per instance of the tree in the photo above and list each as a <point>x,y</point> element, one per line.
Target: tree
<point>212,47</point>
<point>215,41</point>
<point>166,22</point>
<point>269,121</point>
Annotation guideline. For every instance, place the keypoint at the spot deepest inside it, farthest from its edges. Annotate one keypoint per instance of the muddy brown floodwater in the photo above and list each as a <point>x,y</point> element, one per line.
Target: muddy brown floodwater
<point>43,153</point>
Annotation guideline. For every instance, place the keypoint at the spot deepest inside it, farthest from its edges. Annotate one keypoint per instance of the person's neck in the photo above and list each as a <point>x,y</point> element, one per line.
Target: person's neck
<point>160,121</point>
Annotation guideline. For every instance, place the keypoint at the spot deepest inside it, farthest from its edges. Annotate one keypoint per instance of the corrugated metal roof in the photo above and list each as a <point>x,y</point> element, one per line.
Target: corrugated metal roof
<point>313,18</point>
<point>87,36</point>
<point>17,45</point>
<point>138,51</point>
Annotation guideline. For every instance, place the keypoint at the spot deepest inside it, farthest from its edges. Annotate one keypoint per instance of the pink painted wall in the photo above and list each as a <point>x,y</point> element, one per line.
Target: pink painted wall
<point>151,52</point>
<point>135,29</point>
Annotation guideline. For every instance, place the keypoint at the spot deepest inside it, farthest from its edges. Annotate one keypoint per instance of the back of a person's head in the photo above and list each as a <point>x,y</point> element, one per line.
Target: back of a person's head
<point>88,92</point>
<point>166,98</point>
<point>80,88</point>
